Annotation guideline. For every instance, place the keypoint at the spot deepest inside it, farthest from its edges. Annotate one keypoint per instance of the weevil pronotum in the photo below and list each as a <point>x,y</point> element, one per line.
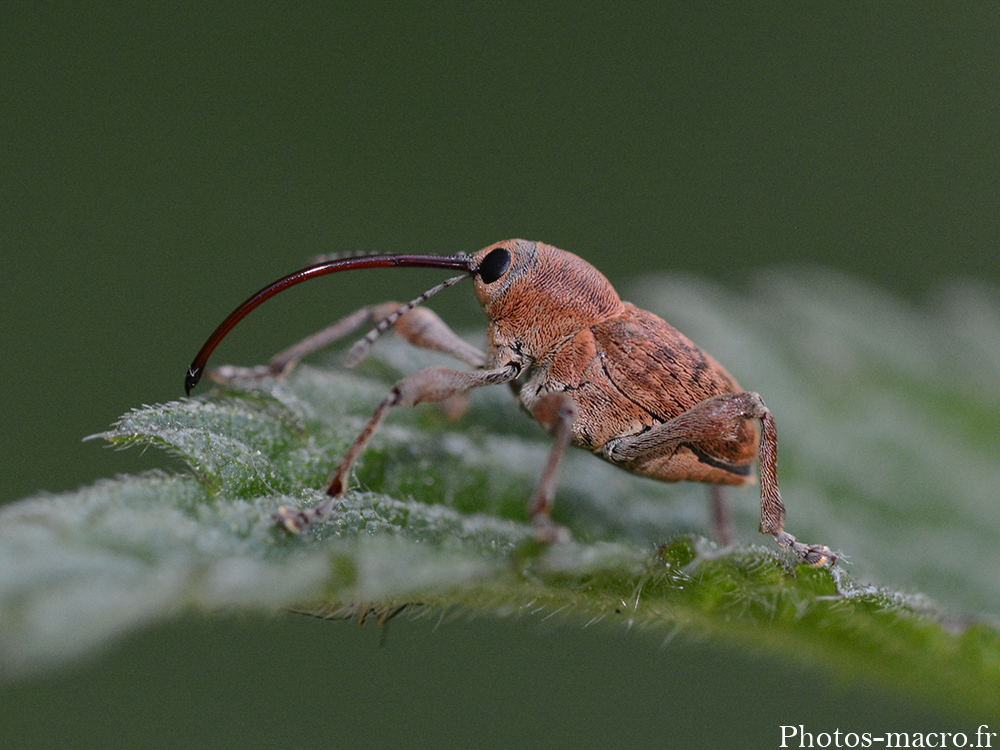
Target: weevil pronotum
<point>593,370</point>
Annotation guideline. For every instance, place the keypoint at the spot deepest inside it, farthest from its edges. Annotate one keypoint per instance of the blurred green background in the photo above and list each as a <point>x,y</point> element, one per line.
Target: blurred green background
<point>162,163</point>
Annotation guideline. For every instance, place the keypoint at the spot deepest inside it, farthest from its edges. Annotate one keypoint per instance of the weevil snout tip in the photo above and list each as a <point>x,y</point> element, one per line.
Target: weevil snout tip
<point>191,379</point>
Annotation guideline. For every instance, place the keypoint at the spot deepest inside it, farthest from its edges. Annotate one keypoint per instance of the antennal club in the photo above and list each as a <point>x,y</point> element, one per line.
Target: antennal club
<point>456,262</point>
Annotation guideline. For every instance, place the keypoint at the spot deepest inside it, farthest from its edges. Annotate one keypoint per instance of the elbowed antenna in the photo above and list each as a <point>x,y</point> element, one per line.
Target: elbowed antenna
<point>459,262</point>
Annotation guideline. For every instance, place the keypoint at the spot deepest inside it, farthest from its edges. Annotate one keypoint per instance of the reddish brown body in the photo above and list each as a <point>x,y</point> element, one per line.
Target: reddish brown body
<point>627,369</point>
<point>595,371</point>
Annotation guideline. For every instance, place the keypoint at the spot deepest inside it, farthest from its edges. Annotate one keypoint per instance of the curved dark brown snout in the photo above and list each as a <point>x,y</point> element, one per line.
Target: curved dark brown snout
<point>457,262</point>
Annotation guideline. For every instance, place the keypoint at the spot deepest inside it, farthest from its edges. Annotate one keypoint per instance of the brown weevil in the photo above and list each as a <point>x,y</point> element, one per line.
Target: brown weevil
<point>593,370</point>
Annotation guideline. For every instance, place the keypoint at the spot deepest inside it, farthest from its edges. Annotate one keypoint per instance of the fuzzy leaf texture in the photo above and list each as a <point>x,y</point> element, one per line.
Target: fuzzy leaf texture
<point>888,418</point>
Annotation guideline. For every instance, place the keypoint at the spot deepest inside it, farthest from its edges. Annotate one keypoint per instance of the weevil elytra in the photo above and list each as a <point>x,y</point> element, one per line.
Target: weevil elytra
<point>593,370</point>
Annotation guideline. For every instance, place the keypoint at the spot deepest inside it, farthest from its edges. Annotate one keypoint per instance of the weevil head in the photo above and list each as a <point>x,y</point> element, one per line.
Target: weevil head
<point>537,295</point>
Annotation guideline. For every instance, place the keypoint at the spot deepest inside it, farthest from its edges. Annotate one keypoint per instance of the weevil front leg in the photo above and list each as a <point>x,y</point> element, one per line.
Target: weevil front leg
<point>419,326</point>
<point>430,385</point>
<point>719,417</point>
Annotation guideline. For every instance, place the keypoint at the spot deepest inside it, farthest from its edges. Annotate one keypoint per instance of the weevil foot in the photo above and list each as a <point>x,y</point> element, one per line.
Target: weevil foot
<point>296,520</point>
<point>549,532</point>
<point>292,520</point>
<point>816,555</point>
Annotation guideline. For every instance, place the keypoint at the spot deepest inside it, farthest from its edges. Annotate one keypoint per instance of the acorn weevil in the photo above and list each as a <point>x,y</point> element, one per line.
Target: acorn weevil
<point>593,370</point>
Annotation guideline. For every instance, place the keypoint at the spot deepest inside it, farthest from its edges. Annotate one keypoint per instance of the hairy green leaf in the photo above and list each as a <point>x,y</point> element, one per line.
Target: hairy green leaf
<point>886,455</point>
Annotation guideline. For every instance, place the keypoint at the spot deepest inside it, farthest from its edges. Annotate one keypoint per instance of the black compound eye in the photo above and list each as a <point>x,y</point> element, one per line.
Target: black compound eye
<point>494,265</point>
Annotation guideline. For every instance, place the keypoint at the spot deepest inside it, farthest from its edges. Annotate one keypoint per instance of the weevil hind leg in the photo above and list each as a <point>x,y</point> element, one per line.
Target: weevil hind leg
<point>772,510</point>
<point>719,417</point>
